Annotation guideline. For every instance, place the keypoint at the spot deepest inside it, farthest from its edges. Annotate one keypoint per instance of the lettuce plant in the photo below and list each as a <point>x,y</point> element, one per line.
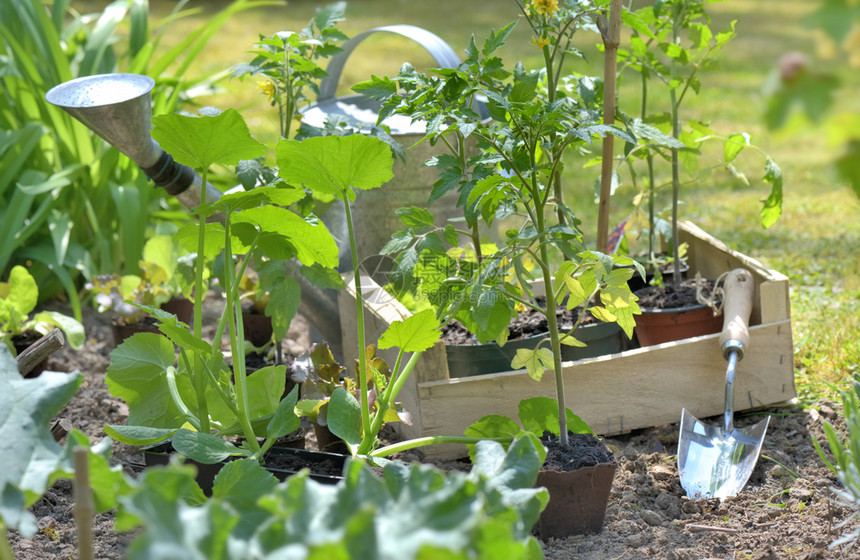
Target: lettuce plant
<point>163,276</point>
<point>18,299</point>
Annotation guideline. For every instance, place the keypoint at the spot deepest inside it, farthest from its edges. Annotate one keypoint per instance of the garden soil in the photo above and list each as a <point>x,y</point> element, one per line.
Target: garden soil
<point>785,511</point>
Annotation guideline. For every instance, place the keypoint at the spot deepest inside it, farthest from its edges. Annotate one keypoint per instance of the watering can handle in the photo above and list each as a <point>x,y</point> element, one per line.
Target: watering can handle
<point>441,52</point>
<point>739,291</point>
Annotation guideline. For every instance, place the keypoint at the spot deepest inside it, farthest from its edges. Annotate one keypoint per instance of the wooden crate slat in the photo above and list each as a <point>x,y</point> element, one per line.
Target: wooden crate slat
<point>639,388</point>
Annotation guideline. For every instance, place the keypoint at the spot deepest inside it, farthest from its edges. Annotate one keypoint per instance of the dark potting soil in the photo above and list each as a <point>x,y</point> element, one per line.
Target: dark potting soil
<point>528,323</point>
<point>585,451</point>
<point>666,296</point>
<point>295,463</point>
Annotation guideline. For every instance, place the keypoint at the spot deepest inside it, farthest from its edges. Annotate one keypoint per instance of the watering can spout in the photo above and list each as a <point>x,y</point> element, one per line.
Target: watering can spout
<point>117,107</point>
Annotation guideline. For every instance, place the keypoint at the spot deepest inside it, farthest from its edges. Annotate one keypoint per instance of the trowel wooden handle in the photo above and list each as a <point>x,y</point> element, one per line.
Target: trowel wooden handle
<point>739,289</point>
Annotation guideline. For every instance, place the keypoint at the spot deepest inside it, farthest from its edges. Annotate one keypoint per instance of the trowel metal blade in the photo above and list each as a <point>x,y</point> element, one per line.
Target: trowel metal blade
<point>713,463</point>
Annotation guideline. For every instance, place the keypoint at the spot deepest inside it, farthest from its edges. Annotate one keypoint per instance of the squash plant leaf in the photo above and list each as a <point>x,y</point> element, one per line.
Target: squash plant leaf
<point>138,375</point>
<point>207,449</point>
<point>312,242</point>
<point>335,164</point>
<point>539,415</point>
<point>199,142</point>
<point>415,334</point>
<point>285,419</point>
<point>344,416</point>
<point>28,453</point>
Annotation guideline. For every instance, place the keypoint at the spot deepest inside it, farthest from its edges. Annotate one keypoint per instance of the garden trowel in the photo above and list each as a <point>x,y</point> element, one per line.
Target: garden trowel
<point>717,461</point>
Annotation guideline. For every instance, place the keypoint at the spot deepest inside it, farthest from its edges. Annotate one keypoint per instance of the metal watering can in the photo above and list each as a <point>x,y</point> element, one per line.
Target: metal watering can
<point>374,210</point>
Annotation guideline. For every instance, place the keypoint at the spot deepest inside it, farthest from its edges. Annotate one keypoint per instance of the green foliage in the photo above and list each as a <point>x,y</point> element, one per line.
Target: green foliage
<point>72,204</point>
<point>186,396</point>
<point>31,460</point>
<point>846,456</point>
<point>537,415</point>
<point>163,276</point>
<point>289,62</point>
<point>18,299</point>
<point>673,45</point>
<point>523,124</point>
<point>412,511</point>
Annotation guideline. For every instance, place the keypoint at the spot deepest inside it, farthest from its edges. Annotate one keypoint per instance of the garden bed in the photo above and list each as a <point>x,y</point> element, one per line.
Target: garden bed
<point>616,393</point>
<point>776,515</point>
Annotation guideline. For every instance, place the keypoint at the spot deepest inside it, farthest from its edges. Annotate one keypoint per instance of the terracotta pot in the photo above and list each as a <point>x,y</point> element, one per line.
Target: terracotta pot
<point>655,326</point>
<point>577,500</point>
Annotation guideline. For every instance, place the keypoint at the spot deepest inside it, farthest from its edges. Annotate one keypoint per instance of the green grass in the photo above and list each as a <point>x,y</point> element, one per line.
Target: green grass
<point>817,241</point>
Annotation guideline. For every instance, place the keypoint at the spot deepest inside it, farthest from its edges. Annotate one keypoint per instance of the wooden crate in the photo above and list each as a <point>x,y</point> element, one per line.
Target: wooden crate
<point>638,388</point>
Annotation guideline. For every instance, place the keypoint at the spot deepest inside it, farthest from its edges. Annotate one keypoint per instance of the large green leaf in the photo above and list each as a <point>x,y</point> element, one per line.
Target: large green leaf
<point>411,512</point>
<point>334,165</point>
<point>414,334</point>
<point>138,375</point>
<point>280,227</point>
<point>202,141</point>
<point>344,416</point>
<point>28,453</point>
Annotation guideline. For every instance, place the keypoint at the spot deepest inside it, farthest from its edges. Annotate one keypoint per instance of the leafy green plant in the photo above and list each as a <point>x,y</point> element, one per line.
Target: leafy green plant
<point>69,203</point>
<point>288,62</point>
<point>338,166</point>
<point>411,511</point>
<point>536,416</point>
<point>514,180</point>
<point>31,460</point>
<point>846,455</point>
<point>198,391</point>
<point>18,299</point>
<point>673,44</point>
<point>163,276</point>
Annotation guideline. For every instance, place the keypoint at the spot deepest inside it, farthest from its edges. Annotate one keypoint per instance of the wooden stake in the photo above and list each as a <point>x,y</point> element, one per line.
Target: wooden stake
<point>84,508</point>
<point>611,39</point>
<point>39,351</point>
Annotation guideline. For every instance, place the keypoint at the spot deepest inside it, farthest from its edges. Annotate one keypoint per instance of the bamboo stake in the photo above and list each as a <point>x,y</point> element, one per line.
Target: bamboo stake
<point>611,35</point>
<point>84,508</point>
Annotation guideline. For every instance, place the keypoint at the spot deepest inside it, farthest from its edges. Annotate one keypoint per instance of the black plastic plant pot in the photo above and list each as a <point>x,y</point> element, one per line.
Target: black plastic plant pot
<point>466,360</point>
<point>159,455</point>
<point>325,467</point>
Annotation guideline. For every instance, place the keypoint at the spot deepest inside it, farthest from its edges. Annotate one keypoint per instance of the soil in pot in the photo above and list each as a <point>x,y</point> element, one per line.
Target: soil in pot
<point>467,357</point>
<point>324,467</point>
<point>579,481</point>
<point>670,314</point>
